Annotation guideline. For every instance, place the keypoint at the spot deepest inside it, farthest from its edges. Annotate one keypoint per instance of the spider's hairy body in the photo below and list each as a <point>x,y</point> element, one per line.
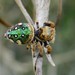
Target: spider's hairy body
<point>24,33</point>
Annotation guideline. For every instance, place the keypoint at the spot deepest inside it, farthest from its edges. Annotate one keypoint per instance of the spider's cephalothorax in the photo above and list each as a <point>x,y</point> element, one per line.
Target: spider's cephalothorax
<point>21,33</point>
<point>46,33</point>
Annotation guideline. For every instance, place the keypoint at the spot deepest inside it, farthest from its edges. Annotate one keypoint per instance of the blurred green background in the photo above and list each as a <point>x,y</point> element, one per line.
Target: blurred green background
<point>16,60</point>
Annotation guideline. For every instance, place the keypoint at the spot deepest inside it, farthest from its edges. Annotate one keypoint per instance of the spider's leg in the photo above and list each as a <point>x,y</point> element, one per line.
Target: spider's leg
<point>37,24</point>
<point>33,48</point>
<point>34,56</point>
<point>40,48</point>
<point>28,46</point>
<point>48,49</point>
<point>39,60</point>
<point>52,37</point>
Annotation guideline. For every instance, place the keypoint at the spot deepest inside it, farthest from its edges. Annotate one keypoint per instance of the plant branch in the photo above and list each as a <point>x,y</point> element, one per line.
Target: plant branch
<point>42,10</point>
<point>3,22</point>
<point>24,11</point>
<point>59,12</point>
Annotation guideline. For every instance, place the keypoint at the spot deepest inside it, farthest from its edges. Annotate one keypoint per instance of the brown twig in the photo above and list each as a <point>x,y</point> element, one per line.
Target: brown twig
<point>59,12</point>
<point>3,22</point>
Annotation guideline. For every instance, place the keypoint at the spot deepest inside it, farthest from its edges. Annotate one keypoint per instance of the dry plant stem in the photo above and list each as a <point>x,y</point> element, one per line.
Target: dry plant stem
<point>42,10</point>
<point>49,57</point>
<point>59,12</point>
<point>24,11</point>
<point>39,66</point>
<point>3,22</point>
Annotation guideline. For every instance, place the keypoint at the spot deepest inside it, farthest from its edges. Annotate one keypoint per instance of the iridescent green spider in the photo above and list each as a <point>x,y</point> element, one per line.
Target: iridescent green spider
<point>36,39</point>
<point>37,35</point>
<point>23,33</point>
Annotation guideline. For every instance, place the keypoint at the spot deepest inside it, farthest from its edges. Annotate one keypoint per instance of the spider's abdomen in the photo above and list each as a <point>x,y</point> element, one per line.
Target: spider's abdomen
<point>21,33</point>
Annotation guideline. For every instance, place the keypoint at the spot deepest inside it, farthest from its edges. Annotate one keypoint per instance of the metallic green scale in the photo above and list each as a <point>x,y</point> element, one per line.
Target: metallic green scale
<point>19,32</point>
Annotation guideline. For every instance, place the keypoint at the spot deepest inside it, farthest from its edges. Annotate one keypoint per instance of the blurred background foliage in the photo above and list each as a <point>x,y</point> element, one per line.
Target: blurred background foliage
<point>16,60</point>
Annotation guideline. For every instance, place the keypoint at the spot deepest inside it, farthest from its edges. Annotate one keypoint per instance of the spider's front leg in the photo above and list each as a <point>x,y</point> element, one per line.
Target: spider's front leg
<point>40,48</point>
<point>33,48</point>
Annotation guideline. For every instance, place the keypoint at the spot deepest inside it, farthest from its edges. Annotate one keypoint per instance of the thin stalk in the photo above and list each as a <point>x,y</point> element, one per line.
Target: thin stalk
<point>24,11</point>
<point>3,22</point>
<point>59,12</point>
<point>42,10</point>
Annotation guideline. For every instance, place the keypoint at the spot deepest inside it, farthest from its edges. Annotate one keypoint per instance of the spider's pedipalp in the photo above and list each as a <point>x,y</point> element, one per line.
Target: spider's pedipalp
<point>49,49</point>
